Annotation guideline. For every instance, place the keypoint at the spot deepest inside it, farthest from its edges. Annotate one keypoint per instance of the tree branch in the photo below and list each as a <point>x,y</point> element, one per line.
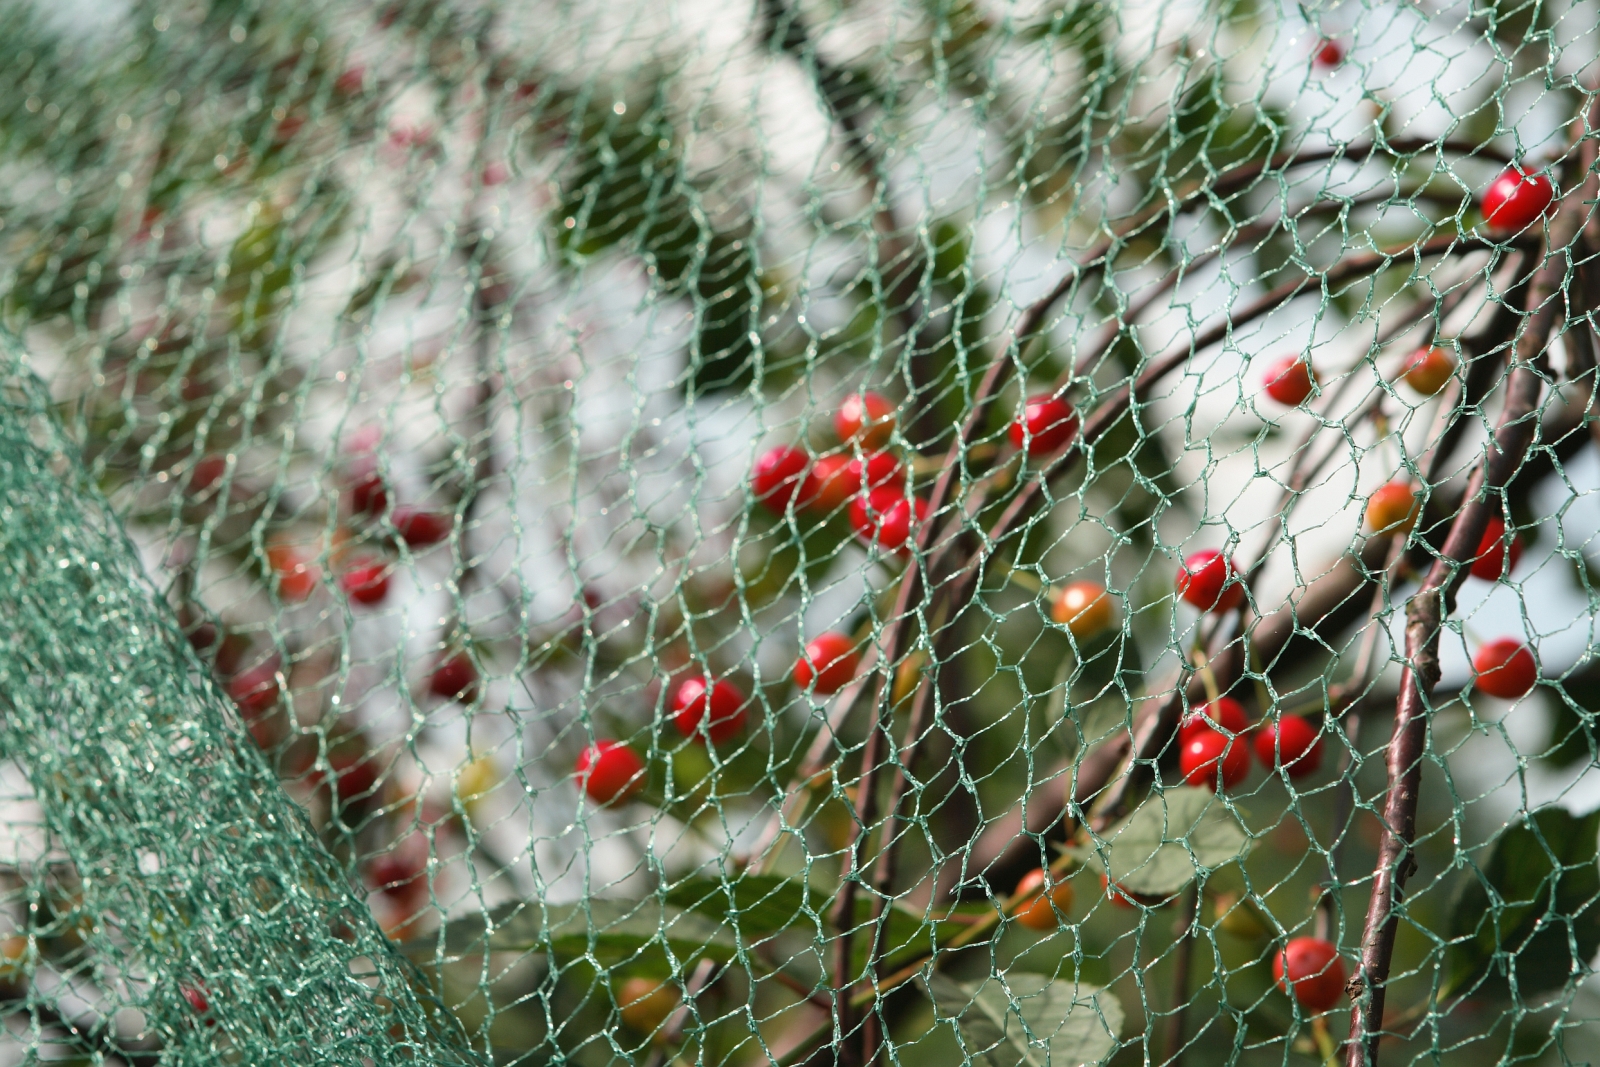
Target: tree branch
<point>1425,615</point>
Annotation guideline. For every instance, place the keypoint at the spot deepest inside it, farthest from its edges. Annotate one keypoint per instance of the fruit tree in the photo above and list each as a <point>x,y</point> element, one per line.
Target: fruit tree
<point>848,532</point>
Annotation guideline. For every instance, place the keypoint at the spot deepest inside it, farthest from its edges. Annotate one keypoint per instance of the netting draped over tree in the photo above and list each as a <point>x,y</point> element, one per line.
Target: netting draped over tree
<point>799,532</point>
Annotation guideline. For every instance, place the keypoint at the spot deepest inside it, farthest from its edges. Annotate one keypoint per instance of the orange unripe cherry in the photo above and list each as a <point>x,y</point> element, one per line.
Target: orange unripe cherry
<point>1040,907</point>
<point>296,575</point>
<point>1084,608</point>
<point>1428,369</point>
<point>645,1004</point>
<point>1392,508</point>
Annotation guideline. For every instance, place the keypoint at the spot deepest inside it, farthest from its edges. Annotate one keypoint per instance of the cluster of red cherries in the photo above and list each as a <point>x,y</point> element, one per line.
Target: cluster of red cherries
<point>870,479</point>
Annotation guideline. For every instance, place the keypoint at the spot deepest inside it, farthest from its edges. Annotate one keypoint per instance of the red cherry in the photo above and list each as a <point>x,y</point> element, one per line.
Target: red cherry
<point>418,528</point>
<point>455,678</point>
<point>867,418</point>
<point>829,663</point>
<point>1206,750</point>
<point>197,1000</point>
<point>1328,53</point>
<point>255,691</point>
<point>352,80</point>
<point>1289,380</point>
<point>367,582</point>
<point>839,479</point>
<point>1311,969</point>
<point>781,476</point>
<point>610,772</point>
<point>889,517</point>
<point>401,873</point>
<point>1493,561</point>
<point>702,708</point>
<point>835,486</point>
<point>1293,740</point>
<point>1126,898</point>
<point>1224,712</point>
<point>1516,200</point>
<point>368,495</point>
<point>355,772</point>
<point>1505,668</point>
<point>207,472</point>
<point>296,575</point>
<point>1046,425</point>
<point>1209,580</point>
<point>1039,909</point>
<point>1428,369</point>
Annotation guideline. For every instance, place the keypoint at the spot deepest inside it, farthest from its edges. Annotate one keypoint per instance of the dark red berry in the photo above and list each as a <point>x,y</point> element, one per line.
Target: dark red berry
<point>401,873</point>
<point>829,663</point>
<point>1047,424</point>
<point>368,495</point>
<point>702,708</point>
<point>197,1000</point>
<point>1293,741</point>
<point>367,582</point>
<point>1208,751</point>
<point>255,690</point>
<point>1209,580</point>
<point>1506,668</point>
<point>1494,560</point>
<point>782,476</point>
<point>1311,970</point>
<point>354,769</point>
<point>207,472</point>
<point>454,678</point>
<point>419,528</point>
<point>1516,200</point>
<point>610,772</point>
<point>1328,53</point>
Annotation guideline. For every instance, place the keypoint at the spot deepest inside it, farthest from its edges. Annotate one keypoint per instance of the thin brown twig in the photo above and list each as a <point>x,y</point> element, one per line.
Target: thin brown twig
<point>1180,975</point>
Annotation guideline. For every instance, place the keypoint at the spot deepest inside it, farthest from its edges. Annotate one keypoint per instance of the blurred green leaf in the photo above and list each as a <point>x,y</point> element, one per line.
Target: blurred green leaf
<point>629,188</point>
<point>752,903</point>
<point>1028,1019</point>
<point>1528,916</point>
<point>610,930</point>
<point>1174,836</point>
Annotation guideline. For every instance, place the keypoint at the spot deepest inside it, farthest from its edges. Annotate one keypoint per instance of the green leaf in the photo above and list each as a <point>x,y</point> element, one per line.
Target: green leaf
<point>752,904</point>
<point>1529,914</point>
<point>1171,838</point>
<point>610,930</point>
<point>1028,1019</point>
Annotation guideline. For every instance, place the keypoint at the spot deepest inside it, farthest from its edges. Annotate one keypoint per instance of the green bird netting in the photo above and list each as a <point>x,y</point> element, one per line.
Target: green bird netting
<point>799,532</point>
